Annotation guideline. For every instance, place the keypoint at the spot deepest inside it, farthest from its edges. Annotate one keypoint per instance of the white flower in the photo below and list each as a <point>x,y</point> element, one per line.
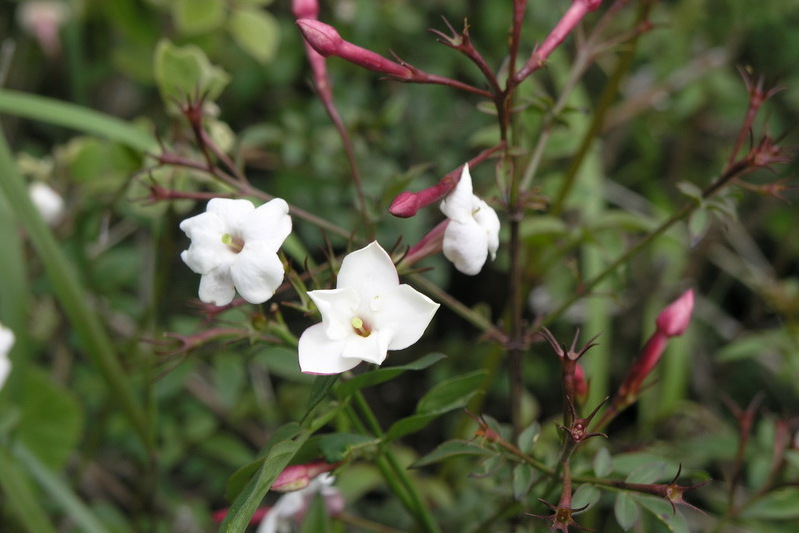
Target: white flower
<point>368,313</point>
<point>236,245</point>
<point>47,201</point>
<point>6,342</point>
<point>472,232</point>
<point>292,506</point>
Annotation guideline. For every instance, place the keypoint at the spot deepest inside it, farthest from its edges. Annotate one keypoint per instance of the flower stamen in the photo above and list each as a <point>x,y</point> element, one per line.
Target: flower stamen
<point>362,329</point>
<point>236,244</point>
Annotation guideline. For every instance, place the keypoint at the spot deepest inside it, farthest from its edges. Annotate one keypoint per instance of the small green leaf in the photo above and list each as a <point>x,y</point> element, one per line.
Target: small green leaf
<point>522,479</point>
<point>602,464</point>
<point>185,72</point>
<point>647,473</point>
<point>198,16</point>
<point>626,511</point>
<point>383,374</point>
<point>410,424</point>
<point>528,437</point>
<point>699,223</point>
<point>663,511</point>
<point>257,32</point>
<point>319,390</point>
<point>586,496</point>
<point>337,446</point>
<point>780,504</point>
<point>691,190</point>
<point>450,449</point>
<point>452,393</point>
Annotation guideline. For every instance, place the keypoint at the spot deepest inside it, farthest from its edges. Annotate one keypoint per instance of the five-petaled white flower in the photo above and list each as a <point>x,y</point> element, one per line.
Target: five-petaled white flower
<point>472,233</point>
<point>6,342</point>
<point>368,313</point>
<point>236,245</point>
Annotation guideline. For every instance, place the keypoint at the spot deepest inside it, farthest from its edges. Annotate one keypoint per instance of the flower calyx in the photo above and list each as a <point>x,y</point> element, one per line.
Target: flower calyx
<point>562,517</point>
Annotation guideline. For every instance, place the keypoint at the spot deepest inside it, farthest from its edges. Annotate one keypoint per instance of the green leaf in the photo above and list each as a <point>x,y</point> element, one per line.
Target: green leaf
<point>528,437</point>
<point>453,393</point>
<point>383,374</point>
<point>626,511</point>
<point>647,473</point>
<point>522,479</point>
<point>780,504</point>
<point>21,498</point>
<point>586,496</point>
<point>410,424</point>
<point>319,390</point>
<point>51,421</point>
<point>663,511</point>
<point>185,72</point>
<point>75,117</point>
<point>450,449</point>
<point>242,509</point>
<point>257,32</point>
<point>602,464</point>
<point>198,16</point>
<point>337,446</point>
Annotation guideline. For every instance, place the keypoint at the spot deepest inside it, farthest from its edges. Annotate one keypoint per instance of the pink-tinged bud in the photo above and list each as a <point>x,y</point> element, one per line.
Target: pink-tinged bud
<point>581,387</point>
<point>405,205</point>
<point>258,516</point>
<point>298,477</point>
<point>326,40</point>
<point>305,9</point>
<point>674,319</point>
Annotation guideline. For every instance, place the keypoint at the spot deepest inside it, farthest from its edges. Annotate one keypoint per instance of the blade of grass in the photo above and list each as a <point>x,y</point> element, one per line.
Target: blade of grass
<point>20,496</point>
<point>72,295</point>
<point>75,117</point>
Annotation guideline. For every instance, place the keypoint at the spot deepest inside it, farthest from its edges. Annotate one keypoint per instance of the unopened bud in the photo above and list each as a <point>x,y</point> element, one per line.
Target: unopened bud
<point>305,9</point>
<point>674,319</point>
<point>298,477</point>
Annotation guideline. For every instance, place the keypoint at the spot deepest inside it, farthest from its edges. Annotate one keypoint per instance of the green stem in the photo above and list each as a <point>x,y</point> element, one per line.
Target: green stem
<point>393,471</point>
<point>20,496</point>
<point>72,296</point>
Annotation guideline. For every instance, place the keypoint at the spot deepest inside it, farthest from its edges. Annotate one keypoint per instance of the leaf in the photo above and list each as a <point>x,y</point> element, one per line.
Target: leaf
<point>522,479</point>
<point>336,446</point>
<point>452,393</point>
<point>626,511</point>
<point>663,511</point>
<point>198,16</point>
<point>242,509</point>
<point>410,424</point>
<point>450,449</point>
<point>602,464</point>
<point>528,437</point>
<point>647,473</point>
<point>780,504</point>
<point>586,496</point>
<point>383,374</point>
<point>51,422</point>
<point>256,31</point>
<point>185,72</point>
<point>319,390</point>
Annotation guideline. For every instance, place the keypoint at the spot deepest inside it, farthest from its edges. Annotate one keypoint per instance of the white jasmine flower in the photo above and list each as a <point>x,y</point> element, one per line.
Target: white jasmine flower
<point>472,232</point>
<point>47,201</point>
<point>236,245</point>
<point>368,313</point>
<point>292,506</point>
<point>6,342</point>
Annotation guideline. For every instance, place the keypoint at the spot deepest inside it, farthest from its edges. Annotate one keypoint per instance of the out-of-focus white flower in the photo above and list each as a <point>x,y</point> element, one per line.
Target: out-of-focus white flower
<point>6,342</point>
<point>43,19</point>
<point>235,245</point>
<point>292,506</point>
<point>472,233</point>
<point>47,201</point>
<point>368,313</point>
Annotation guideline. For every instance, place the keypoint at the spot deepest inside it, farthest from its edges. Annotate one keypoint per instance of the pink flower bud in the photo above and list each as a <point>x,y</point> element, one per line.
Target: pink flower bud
<point>674,319</point>
<point>326,40</point>
<point>298,477</point>
<point>305,9</point>
<point>405,205</point>
<point>581,387</point>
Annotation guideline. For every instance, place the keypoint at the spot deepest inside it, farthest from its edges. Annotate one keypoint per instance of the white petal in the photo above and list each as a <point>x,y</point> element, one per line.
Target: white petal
<point>371,349</point>
<point>318,354</point>
<point>369,270</point>
<point>6,342</point>
<point>232,212</point>
<point>216,287</point>
<point>269,223</point>
<point>257,272</point>
<point>207,251</point>
<point>338,307</point>
<point>466,246</point>
<point>458,204</point>
<point>406,314</point>
<point>486,218</point>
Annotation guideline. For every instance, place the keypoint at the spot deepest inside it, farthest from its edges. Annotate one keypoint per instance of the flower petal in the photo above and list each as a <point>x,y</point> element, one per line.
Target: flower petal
<point>269,223</point>
<point>407,316</point>
<point>318,354</point>
<point>458,204</point>
<point>370,271</point>
<point>216,287</point>
<point>338,307</point>
<point>231,212</point>
<point>487,219</point>
<point>207,251</point>
<point>257,272</point>
<point>371,349</point>
<point>466,246</point>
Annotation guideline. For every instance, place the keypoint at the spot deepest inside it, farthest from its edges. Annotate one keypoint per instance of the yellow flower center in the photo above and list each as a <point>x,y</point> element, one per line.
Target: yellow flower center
<point>361,329</point>
<point>234,243</point>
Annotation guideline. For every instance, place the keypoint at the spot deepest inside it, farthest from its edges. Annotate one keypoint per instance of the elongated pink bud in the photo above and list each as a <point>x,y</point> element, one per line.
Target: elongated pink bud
<point>305,9</point>
<point>298,477</point>
<point>674,319</point>
<point>326,40</point>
